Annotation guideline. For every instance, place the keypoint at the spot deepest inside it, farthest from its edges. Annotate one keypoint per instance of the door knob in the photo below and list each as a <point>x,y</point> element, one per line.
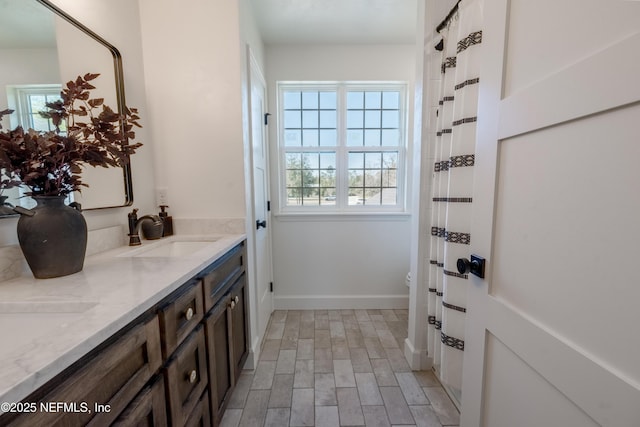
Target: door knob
<point>475,266</point>
<point>262,223</point>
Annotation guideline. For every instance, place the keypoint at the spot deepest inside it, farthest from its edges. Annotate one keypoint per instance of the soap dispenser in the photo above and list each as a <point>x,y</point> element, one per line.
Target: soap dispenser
<point>167,221</point>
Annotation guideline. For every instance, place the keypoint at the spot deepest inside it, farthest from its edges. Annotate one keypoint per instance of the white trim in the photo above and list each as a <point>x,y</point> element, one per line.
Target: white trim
<point>559,98</point>
<point>341,150</point>
<point>344,216</point>
<point>18,101</point>
<point>338,302</point>
<point>254,353</point>
<point>417,358</point>
<point>573,370</point>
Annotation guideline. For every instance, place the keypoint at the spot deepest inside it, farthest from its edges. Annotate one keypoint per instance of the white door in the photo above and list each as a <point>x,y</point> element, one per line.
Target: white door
<point>262,227</point>
<point>552,331</point>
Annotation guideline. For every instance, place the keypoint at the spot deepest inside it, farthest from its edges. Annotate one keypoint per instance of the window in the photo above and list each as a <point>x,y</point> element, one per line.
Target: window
<point>342,147</point>
<point>30,101</point>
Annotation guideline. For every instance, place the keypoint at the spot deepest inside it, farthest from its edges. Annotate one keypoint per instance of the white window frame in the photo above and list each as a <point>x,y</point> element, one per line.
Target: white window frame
<point>342,149</point>
<point>18,101</point>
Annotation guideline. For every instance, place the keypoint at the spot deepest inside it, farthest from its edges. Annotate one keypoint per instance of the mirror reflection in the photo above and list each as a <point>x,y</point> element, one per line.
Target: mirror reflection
<point>39,51</point>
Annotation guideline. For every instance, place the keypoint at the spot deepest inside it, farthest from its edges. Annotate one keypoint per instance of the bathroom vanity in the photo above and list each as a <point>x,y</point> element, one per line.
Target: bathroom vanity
<point>155,335</point>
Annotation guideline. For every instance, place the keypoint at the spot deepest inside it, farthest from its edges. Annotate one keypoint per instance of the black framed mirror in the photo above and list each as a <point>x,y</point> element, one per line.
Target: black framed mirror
<point>41,48</point>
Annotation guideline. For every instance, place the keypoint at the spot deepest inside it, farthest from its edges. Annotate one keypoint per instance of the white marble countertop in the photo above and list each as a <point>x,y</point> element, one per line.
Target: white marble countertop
<point>48,324</point>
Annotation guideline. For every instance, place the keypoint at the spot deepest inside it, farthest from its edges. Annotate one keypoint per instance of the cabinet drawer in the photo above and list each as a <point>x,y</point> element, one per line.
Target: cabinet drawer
<point>113,377</point>
<point>186,377</point>
<point>147,409</point>
<point>178,318</point>
<point>200,416</point>
<point>223,273</point>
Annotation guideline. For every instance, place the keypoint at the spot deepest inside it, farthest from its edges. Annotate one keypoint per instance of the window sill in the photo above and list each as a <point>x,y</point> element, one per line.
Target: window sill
<point>343,216</point>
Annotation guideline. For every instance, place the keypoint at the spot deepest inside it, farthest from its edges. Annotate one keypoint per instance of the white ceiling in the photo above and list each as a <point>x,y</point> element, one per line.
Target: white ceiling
<point>336,21</point>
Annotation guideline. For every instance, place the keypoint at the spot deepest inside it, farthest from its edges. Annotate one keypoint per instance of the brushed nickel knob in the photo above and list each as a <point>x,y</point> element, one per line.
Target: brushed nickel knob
<point>193,376</point>
<point>233,305</point>
<point>236,299</point>
<point>189,313</point>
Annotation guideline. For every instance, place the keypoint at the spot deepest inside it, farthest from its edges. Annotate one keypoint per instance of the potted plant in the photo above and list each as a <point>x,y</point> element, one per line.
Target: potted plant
<point>87,132</point>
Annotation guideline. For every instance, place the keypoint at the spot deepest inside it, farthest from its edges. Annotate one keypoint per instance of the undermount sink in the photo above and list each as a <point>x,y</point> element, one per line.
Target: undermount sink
<point>34,307</point>
<point>170,249</point>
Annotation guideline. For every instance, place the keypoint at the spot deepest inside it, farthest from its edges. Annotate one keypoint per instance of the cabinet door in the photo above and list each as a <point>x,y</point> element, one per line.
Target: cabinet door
<point>147,409</point>
<point>200,416</point>
<point>186,377</point>
<point>239,324</point>
<point>217,329</point>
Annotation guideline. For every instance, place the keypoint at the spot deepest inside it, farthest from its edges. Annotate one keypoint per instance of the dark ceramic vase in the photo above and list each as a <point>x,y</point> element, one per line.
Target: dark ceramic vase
<point>53,237</point>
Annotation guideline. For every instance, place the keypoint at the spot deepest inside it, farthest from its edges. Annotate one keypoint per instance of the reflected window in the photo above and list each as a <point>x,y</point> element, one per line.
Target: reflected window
<point>30,101</point>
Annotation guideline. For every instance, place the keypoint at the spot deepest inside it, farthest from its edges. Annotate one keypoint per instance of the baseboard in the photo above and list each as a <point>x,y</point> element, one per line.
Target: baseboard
<point>254,354</point>
<point>339,302</point>
<point>417,359</point>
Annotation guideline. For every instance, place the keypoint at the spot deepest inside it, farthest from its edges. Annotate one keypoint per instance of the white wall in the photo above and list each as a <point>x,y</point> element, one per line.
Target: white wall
<point>118,22</point>
<point>339,261</point>
<point>193,78</point>
<point>24,66</point>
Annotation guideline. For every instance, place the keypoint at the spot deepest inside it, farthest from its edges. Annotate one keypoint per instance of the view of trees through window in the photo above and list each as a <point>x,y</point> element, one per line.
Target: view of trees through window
<point>342,147</point>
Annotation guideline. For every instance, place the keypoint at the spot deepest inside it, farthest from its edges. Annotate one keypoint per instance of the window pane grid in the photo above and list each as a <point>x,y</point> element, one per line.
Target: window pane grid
<point>373,177</point>
<point>360,130</point>
<point>311,178</point>
<point>373,118</point>
<point>35,103</point>
<point>310,118</point>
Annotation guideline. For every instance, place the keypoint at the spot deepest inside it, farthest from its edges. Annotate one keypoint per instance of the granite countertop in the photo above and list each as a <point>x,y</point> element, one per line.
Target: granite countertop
<point>48,324</point>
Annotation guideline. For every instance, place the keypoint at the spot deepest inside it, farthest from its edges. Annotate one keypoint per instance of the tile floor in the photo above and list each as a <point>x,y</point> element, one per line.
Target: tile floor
<point>337,368</point>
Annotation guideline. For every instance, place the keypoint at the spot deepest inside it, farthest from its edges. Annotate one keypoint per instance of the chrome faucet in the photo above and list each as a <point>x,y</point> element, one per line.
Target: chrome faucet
<point>135,223</point>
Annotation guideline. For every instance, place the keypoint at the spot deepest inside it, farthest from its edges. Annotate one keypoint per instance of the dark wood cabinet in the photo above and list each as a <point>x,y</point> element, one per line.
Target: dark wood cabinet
<point>226,327</point>
<point>186,377</point>
<point>239,325</point>
<point>179,315</point>
<point>176,365</point>
<point>200,416</point>
<point>217,328</point>
<point>217,278</point>
<point>99,389</point>
<point>147,409</point>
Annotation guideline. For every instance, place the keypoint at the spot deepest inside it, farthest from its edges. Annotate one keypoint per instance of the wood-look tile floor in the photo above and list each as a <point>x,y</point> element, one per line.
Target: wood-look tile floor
<point>337,368</point>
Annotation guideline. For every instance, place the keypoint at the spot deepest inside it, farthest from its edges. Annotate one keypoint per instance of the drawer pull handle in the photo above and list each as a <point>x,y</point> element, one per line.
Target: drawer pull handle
<point>236,299</point>
<point>189,313</point>
<point>233,305</point>
<point>193,376</point>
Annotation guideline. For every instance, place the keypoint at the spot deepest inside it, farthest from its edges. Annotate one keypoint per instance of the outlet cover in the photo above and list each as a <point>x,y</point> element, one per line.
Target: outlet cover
<point>162,196</point>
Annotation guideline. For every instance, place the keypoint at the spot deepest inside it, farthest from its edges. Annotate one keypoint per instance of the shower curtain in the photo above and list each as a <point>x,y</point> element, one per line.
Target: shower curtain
<point>452,190</point>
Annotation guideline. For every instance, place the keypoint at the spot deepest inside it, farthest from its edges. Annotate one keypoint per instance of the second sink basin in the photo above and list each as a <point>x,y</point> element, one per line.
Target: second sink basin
<point>173,249</point>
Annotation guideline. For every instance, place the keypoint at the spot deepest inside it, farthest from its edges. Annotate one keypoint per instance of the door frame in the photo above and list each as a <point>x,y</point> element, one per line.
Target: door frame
<point>257,329</point>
